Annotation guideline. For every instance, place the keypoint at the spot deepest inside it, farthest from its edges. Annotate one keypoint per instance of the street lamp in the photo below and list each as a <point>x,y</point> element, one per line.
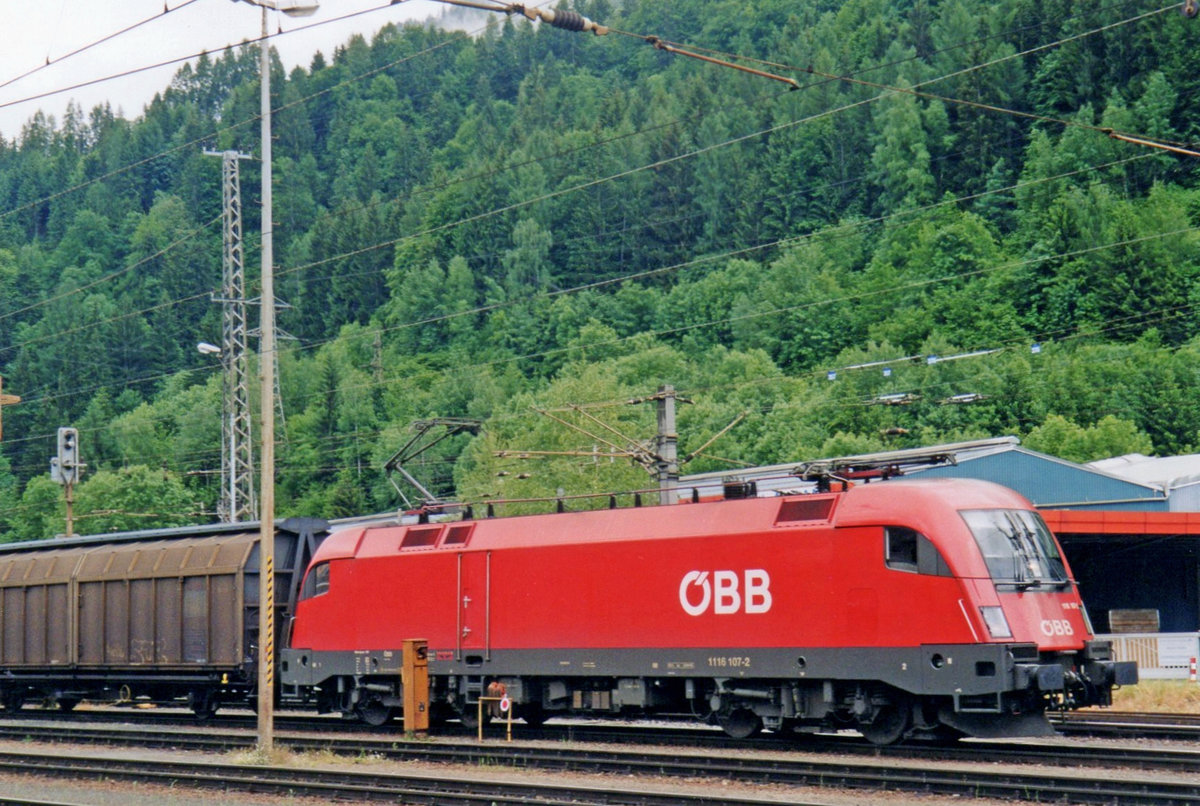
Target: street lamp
<point>266,374</point>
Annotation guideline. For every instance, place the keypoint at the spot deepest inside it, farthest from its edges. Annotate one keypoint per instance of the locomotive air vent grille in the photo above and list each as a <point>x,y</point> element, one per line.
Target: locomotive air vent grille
<point>459,534</point>
<point>805,509</point>
<point>420,537</point>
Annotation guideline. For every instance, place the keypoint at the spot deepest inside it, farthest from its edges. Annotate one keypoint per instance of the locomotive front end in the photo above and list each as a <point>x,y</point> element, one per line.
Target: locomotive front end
<point>1029,598</point>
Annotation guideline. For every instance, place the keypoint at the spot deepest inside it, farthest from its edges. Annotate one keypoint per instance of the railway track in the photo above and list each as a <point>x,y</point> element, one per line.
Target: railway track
<point>1100,724</point>
<point>1126,725</point>
<point>1119,725</point>
<point>1061,754</point>
<point>937,770</point>
<point>341,785</point>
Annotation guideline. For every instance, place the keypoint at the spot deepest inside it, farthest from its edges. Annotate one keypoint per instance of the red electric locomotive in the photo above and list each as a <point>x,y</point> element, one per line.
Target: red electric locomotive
<point>893,608</point>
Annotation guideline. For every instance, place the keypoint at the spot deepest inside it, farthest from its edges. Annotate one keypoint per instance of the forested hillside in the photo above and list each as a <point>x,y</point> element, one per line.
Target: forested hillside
<point>525,225</point>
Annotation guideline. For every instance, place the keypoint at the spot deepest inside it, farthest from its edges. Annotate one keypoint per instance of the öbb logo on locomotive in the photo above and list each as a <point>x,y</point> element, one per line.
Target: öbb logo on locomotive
<point>1056,626</point>
<point>724,594</point>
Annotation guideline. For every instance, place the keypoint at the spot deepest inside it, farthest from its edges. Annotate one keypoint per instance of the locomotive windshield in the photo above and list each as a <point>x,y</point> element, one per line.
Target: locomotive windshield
<point>1017,546</point>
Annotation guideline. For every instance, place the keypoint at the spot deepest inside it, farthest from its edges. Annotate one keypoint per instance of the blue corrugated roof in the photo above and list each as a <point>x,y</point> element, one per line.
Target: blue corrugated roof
<point>1047,481</point>
<point>1054,483</point>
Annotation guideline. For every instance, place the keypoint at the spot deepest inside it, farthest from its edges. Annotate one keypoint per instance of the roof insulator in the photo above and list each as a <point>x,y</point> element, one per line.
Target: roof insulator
<point>567,20</point>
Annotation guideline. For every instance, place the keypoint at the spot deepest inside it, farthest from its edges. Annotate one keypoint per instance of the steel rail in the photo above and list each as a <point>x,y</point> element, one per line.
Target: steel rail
<point>880,774</point>
<point>409,788</point>
<point>1107,724</point>
<point>50,726</point>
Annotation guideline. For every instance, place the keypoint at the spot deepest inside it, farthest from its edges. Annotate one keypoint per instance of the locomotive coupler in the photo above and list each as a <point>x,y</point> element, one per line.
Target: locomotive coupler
<point>1039,676</point>
<point>1098,666</point>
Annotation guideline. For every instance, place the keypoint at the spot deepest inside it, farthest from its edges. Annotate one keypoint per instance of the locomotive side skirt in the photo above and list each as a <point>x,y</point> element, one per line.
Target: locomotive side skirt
<point>948,670</point>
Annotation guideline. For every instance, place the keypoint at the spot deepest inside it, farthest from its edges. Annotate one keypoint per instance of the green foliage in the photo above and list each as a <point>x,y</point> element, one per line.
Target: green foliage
<point>134,497</point>
<point>529,220</point>
<point>42,512</point>
<point>1111,436</point>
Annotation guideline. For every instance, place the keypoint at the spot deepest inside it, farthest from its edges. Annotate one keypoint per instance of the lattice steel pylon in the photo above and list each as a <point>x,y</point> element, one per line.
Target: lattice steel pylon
<point>237,501</point>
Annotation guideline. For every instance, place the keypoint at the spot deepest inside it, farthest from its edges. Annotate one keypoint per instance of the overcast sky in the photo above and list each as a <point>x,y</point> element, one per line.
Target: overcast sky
<point>39,30</point>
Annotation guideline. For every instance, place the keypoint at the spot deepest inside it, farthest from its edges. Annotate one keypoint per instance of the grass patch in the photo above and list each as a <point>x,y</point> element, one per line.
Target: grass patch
<point>283,757</point>
<point>1166,696</point>
<point>257,757</point>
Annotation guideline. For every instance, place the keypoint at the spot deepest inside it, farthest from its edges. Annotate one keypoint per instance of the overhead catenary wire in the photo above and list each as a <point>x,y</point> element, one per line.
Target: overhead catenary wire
<point>181,59</point>
<point>95,43</point>
<point>248,122</point>
<point>748,250</point>
<point>834,402</point>
<point>113,274</point>
<point>728,62</point>
<point>595,284</point>
<point>666,161</point>
<point>372,72</point>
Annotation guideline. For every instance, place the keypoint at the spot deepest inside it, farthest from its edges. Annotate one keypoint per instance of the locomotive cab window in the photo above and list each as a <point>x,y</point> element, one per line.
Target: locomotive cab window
<point>908,550</point>
<point>1017,547</point>
<point>317,582</point>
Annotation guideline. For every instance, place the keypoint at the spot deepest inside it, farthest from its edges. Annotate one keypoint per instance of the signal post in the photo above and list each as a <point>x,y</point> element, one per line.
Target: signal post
<point>65,469</point>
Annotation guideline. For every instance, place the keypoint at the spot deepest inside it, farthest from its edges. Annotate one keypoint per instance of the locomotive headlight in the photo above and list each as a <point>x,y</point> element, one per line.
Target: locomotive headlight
<point>996,623</point>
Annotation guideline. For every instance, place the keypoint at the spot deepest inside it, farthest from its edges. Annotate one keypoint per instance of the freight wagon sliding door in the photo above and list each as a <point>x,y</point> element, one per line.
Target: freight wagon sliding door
<point>178,621</point>
<point>474,607</point>
<point>35,609</point>
<point>166,604</point>
<point>33,625</point>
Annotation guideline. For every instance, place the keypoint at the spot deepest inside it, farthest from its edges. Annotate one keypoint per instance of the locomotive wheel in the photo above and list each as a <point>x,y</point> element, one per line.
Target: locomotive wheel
<point>373,713</point>
<point>740,723</point>
<point>890,724</point>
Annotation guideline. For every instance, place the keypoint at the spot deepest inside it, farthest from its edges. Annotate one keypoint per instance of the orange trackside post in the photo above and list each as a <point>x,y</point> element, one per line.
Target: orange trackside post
<point>414,677</point>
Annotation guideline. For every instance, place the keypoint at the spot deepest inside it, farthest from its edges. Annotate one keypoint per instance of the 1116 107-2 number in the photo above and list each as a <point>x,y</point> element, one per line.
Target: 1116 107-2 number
<point>729,662</point>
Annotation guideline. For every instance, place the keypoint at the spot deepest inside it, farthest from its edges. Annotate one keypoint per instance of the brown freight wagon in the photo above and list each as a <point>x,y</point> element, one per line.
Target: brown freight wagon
<point>162,616</point>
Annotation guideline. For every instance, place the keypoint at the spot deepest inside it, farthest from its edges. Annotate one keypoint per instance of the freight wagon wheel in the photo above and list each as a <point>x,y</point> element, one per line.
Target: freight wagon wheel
<point>740,723</point>
<point>373,713</point>
<point>204,704</point>
<point>13,701</point>
<point>67,704</point>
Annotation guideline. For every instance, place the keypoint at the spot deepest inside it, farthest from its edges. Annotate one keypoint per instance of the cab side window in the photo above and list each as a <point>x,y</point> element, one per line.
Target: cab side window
<point>317,582</point>
<point>908,550</point>
<point>900,548</point>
